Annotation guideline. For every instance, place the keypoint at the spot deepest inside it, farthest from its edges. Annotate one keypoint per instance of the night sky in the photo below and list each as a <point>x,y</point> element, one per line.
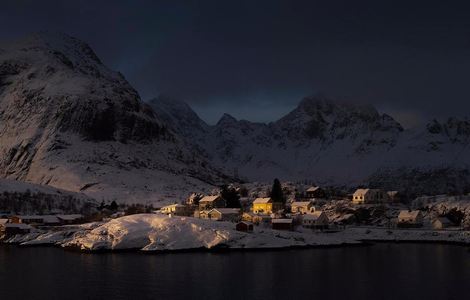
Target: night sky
<point>257,59</point>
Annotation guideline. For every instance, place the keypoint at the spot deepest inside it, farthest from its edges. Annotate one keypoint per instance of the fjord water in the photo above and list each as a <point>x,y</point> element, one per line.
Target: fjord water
<point>381,271</point>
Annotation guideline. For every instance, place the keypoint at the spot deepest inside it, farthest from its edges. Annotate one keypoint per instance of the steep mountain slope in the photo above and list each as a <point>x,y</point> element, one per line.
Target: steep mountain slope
<point>330,142</point>
<point>68,121</point>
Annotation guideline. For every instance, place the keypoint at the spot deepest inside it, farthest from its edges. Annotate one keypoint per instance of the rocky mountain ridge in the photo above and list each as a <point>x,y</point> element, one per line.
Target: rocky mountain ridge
<point>68,121</point>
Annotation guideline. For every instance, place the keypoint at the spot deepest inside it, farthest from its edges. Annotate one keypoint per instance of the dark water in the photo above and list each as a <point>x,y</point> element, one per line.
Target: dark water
<point>382,271</point>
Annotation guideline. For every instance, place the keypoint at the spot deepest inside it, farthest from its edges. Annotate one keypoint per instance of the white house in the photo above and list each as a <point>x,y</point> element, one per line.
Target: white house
<point>175,209</point>
<point>410,218</point>
<point>317,219</point>
<point>368,196</point>
<point>225,214</point>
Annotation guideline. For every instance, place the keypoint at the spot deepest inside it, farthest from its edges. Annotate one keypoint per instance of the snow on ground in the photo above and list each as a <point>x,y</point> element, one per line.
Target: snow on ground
<point>155,232</point>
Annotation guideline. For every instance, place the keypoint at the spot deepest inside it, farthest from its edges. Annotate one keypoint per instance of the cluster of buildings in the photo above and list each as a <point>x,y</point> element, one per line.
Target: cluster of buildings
<point>23,224</point>
<point>260,212</point>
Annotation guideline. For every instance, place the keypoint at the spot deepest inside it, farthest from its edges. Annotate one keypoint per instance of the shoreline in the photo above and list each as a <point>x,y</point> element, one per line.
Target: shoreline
<point>223,248</point>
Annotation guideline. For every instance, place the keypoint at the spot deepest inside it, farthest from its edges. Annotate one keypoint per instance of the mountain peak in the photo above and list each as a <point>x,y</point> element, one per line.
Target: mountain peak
<point>226,119</point>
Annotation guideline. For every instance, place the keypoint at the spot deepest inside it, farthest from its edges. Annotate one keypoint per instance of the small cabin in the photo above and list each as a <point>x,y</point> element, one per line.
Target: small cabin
<point>410,218</point>
<point>11,229</point>
<point>282,224</point>
<point>369,196</point>
<point>302,207</point>
<point>70,219</point>
<point>36,220</point>
<point>441,223</point>
<point>266,206</point>
<point>225,214</point>
<point>244,226</point>
<point>315,220</point>
<point>315,192</point>
<point>176,210</point>
<point>210,202</point>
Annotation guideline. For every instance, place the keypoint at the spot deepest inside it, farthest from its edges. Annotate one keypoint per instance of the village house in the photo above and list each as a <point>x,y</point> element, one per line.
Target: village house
<point>282,224</point>
<point>315,192</point>
<point>394,196</point>
<point>244,226</point>
<point>201,214</point>
<point>36,220</point>
<point>3,222</point>
<point>10,229</point>
<point>248,217</point>
<point>369,196</point>
<point>176,210</point>
<point>315,220</point>
<point>266,206</point>
<point>441,223</point>
<point>410,218</point>
<point>225,214</point>
<point>262,220</point>
<point>70,219</point>
<point>302,207</point>
<point>210,202</point>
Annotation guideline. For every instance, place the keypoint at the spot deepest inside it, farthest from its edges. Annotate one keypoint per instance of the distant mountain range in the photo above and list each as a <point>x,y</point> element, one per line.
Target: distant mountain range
<point>68,121</point>
<point>331,143</point>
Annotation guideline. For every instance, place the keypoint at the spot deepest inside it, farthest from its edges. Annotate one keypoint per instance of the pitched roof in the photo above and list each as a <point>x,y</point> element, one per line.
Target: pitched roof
<point>313,216</point>
<point>173,205</point>
<point>313,188</point>
<point>44,218</point>
<point>262,200</point>
<point>69,217</point>
<point>209,198</point>
<point>301,203</point>
<point>443,220</point>
<point>413,214</point>
<point>285,221</point>
<point>3,221</point>
<point>361,191</point>
<point>227,210</point>
<point>18,225</point>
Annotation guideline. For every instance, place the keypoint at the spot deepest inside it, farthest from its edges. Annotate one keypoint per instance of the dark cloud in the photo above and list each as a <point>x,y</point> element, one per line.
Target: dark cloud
<point>257,58</point>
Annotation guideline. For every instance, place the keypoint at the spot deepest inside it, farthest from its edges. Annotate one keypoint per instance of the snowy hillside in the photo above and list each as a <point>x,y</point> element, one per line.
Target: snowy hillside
<point>68,121</point>
<point>27,198</point>
<point>330,142</point>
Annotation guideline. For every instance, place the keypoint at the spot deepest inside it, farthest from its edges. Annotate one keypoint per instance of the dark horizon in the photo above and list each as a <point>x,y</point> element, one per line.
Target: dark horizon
<point>257,61</point>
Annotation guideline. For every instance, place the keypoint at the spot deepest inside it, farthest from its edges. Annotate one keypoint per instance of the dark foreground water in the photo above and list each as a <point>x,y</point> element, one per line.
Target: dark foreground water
<point>381,271</point>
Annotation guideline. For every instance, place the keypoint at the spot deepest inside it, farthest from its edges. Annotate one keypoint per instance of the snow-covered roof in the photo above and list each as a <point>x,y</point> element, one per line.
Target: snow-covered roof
<point>245,222</point>
<point>227,210</point>
<point>209,198</point>
<point>284,221</point>
<point>44,218</point>
<point>262,200</point>
<point>3,221</point>
<point>413,214</point>
<point>443,220</point>
<point>361,191</point>
<point>69,217</point>
<point>313,216</point>
<point>173,205</point>
<point>313,188</point>
<point>301,203</point>
<point>17,225</point>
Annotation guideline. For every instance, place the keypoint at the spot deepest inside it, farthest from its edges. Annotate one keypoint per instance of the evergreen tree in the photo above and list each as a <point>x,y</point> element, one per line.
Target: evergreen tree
<point>276,192</point>
<point>113,206</point>
<point>231,196</point>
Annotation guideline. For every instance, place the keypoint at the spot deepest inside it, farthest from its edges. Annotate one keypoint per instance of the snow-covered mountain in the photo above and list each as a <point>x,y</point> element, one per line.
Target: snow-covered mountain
<point>330,142</point>
<point>68,121</point>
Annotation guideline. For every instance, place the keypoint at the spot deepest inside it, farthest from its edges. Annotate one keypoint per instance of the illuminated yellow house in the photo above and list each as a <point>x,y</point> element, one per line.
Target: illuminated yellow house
<point>266,206</point>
